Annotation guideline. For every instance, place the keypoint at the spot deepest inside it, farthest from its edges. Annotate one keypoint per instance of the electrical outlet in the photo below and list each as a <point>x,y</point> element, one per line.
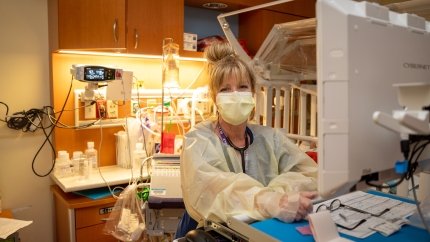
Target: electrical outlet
<point>101,109</point>
<point>112,109</point>
<point>90,110</point>
<point>134,107</point>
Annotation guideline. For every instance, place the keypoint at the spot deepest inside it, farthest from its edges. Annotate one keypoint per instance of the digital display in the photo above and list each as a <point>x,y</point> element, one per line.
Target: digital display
<point>98,73</point>
<point>95,74</point>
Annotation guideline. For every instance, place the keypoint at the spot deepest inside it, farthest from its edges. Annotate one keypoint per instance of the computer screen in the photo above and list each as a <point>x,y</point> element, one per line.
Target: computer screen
<point>362,50</point>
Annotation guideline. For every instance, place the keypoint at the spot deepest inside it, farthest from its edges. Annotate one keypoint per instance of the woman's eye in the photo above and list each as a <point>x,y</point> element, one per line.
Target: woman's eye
<point>225,89</point>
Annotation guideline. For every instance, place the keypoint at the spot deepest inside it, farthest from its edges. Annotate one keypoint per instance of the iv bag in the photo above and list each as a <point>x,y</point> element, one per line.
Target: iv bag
<point>170,64</point>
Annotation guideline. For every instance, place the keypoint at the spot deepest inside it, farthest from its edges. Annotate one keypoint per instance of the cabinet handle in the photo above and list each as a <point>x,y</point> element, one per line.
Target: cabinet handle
<point>136,39</point>
<point>115,30</point>
<point>104,219</point>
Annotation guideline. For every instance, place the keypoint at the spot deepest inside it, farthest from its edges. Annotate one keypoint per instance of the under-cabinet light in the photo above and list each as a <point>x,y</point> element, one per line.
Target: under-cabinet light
<point>99,53</point>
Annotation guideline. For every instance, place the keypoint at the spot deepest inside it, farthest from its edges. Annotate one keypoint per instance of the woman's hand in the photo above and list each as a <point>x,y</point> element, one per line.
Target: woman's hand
<point>291,207</point>
<point>300,202</point>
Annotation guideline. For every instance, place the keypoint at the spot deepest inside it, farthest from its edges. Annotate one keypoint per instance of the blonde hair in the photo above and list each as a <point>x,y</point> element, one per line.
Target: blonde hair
<point>222,63</point>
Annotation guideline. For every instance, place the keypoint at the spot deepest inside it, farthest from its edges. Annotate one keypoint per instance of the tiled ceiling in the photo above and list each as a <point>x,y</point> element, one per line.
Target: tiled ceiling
<point>418,7</point>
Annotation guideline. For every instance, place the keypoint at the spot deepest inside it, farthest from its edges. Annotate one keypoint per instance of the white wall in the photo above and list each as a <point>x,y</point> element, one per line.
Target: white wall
<point>24,84</point>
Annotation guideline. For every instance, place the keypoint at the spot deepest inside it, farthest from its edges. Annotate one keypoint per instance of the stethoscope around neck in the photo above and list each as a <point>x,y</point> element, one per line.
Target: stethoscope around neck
<point>225,139</point>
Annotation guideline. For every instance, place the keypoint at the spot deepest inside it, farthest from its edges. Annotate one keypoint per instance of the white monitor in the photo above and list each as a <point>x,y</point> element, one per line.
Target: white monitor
<point>362,50</point>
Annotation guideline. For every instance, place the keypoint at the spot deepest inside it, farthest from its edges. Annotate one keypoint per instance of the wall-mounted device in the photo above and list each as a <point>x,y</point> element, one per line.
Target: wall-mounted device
<point>91,73</point>
<point>94,75</point>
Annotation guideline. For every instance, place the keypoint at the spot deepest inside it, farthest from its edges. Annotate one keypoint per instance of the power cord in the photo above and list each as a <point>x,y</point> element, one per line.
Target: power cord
<point>411,158</point>
<point>47,135</point>
<point>30,121</point>
<point>27,121</point>
<point>417,150</point>
<point>7,111</point>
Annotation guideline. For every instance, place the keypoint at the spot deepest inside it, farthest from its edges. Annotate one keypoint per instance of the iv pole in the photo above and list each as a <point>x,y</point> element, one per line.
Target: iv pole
<point>170,75</point>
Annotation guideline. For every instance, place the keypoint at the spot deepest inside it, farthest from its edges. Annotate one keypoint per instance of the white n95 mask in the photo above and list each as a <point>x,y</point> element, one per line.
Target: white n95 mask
<point>235,107</point>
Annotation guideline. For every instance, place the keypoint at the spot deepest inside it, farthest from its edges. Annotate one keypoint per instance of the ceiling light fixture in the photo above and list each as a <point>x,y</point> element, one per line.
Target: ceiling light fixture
<point>215,5</point>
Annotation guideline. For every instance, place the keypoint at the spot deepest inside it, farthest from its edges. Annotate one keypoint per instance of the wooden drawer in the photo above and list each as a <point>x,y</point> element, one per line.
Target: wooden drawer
<point>93,234</point>
<point>92,215</point>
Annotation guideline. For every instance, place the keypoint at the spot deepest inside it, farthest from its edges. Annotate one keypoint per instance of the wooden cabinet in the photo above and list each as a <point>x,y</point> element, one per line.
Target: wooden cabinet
<point>84,24</point>
<point>90,222</point>
<point>149,22</point>
<point>80,219</point>
<point>139,26</point>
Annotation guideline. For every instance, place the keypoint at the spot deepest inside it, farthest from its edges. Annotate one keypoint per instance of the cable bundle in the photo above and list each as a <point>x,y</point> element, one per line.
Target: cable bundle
<point>26,120</point>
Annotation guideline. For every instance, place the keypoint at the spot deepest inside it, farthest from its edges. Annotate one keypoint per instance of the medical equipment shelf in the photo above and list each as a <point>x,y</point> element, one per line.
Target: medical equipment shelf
<point>113,175</point>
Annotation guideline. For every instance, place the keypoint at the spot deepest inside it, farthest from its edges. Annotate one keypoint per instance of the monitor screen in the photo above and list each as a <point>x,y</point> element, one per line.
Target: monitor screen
<point>363,49</point>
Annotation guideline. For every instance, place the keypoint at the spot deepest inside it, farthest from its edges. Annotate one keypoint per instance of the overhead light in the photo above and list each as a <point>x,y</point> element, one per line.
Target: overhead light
<point>215,5</point>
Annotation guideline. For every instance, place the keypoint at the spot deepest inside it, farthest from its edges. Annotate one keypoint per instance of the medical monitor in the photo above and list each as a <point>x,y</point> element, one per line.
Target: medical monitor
<point>362,50</point>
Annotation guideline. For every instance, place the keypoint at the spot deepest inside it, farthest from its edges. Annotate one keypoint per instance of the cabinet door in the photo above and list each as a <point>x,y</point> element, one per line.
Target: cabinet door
<point>149,22</point>
<point>91,24</point>
<point>90,221</point>
<point>93,234</point>
<point>89,216</point>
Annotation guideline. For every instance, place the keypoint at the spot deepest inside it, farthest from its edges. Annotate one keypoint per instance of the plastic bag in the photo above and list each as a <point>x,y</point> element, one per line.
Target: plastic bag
<point>126,221</point>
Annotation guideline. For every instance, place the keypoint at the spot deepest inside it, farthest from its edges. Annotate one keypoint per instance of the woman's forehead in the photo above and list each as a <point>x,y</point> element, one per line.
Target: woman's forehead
<point>235,79</point>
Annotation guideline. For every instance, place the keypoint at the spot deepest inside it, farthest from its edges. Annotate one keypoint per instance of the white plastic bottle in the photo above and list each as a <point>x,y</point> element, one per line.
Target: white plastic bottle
<point>91,154</point>
<point>84,170</point>
<point>139,155</point>
<point>75,162</point>
<point>62,165</point>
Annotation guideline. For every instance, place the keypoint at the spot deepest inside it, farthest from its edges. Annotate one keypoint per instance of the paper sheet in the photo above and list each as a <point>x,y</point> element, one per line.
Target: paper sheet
<point>9,226</point>
<point>370,203</point>
<point>324,229</point>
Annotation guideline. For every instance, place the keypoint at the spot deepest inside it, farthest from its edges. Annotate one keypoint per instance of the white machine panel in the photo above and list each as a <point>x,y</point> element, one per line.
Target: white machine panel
<point>363,49</point>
